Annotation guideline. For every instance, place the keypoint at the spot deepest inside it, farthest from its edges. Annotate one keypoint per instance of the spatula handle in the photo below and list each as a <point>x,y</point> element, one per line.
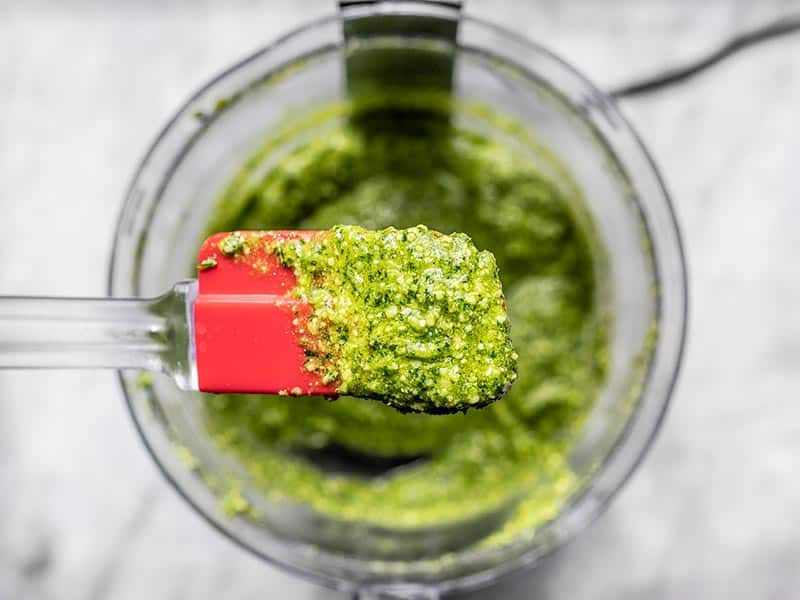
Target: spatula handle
<point>75,333</point>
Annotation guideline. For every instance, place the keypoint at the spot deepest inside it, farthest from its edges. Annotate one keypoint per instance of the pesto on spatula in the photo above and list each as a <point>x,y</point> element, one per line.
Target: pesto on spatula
<point>411,317</point>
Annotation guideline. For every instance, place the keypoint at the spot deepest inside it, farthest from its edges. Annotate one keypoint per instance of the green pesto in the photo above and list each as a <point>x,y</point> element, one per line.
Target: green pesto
<point>143,381</point>
<point>402,169</point>
<point>207,263</point>
<point>411,317</point>
<point>232,244</point>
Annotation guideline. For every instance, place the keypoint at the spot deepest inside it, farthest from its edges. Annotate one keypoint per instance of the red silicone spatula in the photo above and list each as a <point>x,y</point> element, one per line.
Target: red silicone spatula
<point>231,330</point>
<point>244,332</point>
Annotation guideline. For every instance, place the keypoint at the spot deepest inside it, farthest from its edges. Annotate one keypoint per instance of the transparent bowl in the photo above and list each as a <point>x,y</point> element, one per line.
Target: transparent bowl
<point>642,282</point>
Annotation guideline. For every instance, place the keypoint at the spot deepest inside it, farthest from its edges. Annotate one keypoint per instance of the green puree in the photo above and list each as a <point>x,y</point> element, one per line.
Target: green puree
<point>411,317</point>
<point>401,171</point>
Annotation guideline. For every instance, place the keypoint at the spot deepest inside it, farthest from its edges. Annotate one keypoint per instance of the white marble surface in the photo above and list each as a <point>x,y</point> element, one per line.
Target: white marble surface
<point>84,86</point>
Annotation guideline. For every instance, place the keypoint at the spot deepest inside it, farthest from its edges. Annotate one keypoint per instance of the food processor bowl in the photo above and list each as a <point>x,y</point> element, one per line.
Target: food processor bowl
<point>551,110</point>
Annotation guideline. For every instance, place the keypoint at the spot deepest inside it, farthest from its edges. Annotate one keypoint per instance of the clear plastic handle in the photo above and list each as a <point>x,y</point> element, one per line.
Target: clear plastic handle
<point>95,333</point>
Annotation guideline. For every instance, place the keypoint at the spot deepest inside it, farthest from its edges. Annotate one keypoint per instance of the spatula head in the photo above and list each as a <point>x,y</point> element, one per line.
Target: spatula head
<point>245,336</point>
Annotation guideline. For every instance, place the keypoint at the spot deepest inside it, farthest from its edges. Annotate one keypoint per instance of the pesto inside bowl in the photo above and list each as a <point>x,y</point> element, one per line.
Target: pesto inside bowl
<point>390,164</point>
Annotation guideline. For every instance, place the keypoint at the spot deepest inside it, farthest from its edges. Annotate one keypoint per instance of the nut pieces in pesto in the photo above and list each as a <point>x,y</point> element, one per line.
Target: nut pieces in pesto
<point>411,317</point>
